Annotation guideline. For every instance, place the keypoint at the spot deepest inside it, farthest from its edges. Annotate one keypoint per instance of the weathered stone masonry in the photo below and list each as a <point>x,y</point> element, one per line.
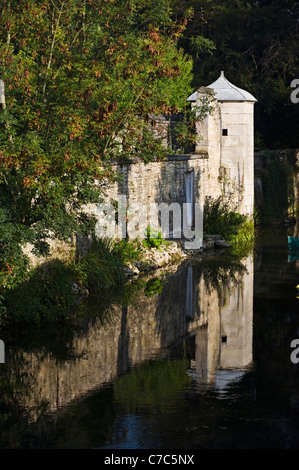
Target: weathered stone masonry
<point>164,181</point>
<point>222,164</point>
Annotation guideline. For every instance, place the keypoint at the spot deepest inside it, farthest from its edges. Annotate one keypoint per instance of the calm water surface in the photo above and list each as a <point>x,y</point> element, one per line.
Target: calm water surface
<point>199,361</point>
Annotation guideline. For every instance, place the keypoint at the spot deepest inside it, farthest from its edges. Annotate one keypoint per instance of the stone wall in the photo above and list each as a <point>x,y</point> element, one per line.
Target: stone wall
<point>164,181</point>
<point>220,165</point>
<point>64,251</point>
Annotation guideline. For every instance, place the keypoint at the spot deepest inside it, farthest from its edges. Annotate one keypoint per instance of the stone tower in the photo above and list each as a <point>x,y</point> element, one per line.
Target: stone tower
<point>233,120</point>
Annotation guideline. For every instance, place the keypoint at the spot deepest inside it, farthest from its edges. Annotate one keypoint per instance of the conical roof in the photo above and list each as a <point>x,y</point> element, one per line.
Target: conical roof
<point>226,91</point>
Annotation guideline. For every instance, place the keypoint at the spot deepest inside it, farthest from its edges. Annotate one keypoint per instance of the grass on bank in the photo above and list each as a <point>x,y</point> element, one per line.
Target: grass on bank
<point>236,228</point>
<point>47,293</point>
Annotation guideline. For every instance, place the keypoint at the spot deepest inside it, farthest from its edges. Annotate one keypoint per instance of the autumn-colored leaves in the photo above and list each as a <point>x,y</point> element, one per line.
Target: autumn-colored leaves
<point>82,77</point>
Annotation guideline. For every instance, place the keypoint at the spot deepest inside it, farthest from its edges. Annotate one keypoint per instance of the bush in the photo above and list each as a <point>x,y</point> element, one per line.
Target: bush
<point>128,251</point>
<point>153,239</point>
<point>234,227</point>
<point>45,297</point>
<point>100,268</point>
<point>47,294</point>
<point>13,263</point>
<point>154,286</point>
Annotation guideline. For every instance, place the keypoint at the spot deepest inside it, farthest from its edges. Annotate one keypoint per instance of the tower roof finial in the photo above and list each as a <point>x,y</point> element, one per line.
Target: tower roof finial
<point>226,91</point>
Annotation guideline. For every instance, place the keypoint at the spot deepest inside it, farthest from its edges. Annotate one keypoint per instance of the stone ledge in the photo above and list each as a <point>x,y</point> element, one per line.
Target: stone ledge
<point>176,158</point>
<point>174,253</point>
<point>190,156</point>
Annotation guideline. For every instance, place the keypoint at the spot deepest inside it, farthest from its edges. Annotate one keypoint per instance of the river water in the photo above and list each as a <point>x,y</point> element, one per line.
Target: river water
<point>196,359</point>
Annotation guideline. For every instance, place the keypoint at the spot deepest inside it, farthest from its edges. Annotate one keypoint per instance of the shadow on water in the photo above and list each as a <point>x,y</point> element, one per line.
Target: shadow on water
<point>193,359</point>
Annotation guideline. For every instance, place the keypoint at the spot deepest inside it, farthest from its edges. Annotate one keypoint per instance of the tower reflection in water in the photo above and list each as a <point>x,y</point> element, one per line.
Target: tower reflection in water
<point>223,343</point>
<point>210,305</point>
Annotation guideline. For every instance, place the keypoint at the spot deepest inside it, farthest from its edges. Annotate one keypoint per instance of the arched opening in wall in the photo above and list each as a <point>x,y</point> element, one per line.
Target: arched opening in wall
<point>189,184</point>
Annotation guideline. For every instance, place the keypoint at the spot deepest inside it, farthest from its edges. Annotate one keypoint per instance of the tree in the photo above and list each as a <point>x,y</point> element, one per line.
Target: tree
<point>256,44</point>
<point>81,79</point>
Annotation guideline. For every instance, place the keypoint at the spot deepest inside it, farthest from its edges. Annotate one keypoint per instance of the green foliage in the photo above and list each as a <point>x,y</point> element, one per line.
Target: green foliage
<point>184,136</point>
<point>45,297</point>
<point>256,44</point>
<point>201,45</point>
<point>128,251</point>
<point>234,227</point>
<point>183,132</point>
<point>2,308</point>
<point>99,268</point>
<point>219,218</point>
<point>81,79</point>
<point>154,286</point>
<point>47,293</point>
<point>243,241</point>
<point>79,73</point>
<point>155,12</point>
<point>13,263</point>
<point>154,239</point>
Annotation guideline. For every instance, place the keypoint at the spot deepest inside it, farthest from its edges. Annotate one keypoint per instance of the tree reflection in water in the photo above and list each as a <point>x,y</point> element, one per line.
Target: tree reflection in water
<point>200,316</point>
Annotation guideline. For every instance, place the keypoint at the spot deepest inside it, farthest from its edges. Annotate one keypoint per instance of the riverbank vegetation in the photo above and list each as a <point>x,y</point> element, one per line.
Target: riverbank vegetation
<point>237,229</point>
<point>81,80</point>
<point>57,291</point>
<point>52,290</point>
